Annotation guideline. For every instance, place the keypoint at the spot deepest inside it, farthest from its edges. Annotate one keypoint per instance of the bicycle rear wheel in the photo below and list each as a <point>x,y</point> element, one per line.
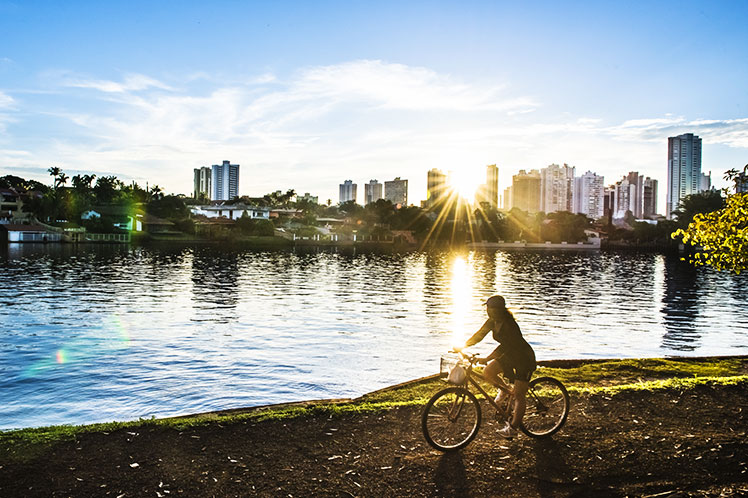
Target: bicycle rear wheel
<point>451,419</point>
<point>547,407</point>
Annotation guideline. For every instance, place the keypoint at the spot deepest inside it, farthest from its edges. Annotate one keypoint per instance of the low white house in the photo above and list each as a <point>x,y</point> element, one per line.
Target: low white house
<point>232,212</point>
<point>29,233</point>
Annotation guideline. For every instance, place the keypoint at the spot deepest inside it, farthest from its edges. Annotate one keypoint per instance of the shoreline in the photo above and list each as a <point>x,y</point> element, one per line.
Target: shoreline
<point>653,426</point>
<point>545,364</point>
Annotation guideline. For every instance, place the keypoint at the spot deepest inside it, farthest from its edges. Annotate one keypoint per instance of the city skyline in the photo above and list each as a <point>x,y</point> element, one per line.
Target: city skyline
<point>309,95</point>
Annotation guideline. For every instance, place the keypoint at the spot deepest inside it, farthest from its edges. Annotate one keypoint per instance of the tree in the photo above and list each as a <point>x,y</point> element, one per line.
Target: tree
<point>21,185</point>
<point>106,189</point>
<point>703,202</point>
<point>54,172</point>
<point>168,207</point>
<point>721,236</point>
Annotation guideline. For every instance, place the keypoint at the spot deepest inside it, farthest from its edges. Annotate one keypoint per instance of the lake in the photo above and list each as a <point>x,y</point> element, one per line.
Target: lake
<point>102,333</point>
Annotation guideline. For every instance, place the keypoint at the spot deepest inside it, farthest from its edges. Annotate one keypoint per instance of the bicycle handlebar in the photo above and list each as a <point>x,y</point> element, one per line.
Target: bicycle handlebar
<point>472,358</point>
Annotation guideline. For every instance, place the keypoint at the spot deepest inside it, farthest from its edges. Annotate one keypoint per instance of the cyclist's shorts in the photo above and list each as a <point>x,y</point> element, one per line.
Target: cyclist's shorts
<point>518,366</point>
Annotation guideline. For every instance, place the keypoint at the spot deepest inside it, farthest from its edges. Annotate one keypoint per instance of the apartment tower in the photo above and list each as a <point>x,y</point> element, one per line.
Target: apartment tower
<point>396,191</point>
<point>683,169</point>
<point>526,191</point>
<point>556,188</point>
<point>348,191</point>
<point>589,195</point>
<point>372,191</point>
<point>202,183</point>
<point>436,186</point>
<point>225,181</point>
<point>649,201</point>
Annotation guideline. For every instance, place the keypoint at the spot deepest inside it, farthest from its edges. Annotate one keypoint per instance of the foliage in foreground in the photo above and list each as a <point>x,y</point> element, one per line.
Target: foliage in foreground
<point>721,235</point>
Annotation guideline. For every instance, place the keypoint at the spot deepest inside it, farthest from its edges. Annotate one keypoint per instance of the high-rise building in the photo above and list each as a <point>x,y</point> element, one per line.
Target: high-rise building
<point>683,169</point>
<point>396,191</point>
<point>589,195</point>
<point>372,191</point>
<point>649,201</point>
<point>489,191</point>
<point>610,202</point>
<point>202,183</point>
<point>556,188</point>
<point>741,184</point>
<point>526,191</point>
<point>705,183</point>
<point>508,198</point>
<point>348,191</point>
<point>436,186</point>
<point>630,196</point>
<point>225,181</point>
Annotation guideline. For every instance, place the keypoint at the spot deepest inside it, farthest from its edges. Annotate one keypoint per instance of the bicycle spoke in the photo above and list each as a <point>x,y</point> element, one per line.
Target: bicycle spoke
<point>547,407</point>
<point>450,419</point>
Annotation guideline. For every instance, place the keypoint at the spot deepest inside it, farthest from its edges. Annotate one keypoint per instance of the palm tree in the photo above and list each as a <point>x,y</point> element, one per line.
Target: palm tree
<point>62,179</point>
<point>54,171</point>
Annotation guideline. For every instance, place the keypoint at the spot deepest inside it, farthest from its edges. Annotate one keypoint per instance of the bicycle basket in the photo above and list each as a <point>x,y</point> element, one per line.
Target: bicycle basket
<point>452,369</point>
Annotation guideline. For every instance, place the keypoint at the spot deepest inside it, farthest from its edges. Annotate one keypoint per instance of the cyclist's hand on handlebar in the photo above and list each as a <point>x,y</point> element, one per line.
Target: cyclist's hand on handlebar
<point>482,361</point>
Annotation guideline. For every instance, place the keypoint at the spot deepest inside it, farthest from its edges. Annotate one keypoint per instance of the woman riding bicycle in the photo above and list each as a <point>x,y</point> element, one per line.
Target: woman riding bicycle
<point>514,357</point>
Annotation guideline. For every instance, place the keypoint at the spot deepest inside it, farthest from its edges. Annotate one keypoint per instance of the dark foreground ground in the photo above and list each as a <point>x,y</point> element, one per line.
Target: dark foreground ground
<point>671,443</point>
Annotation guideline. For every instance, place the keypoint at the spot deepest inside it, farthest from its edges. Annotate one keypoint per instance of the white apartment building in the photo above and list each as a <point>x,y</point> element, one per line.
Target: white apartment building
<point>372,191</point>
<point>348,191</point>
<point>556,188</point>
<point>589,195</point>
<point>683,169</point>
<point>225,181</point>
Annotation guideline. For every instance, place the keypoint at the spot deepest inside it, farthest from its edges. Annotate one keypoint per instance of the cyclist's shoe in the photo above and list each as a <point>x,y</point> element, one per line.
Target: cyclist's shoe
<point>508,431</point>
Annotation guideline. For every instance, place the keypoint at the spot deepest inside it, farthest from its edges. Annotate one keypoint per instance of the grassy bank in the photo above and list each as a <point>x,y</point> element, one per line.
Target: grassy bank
<point>581,377</point>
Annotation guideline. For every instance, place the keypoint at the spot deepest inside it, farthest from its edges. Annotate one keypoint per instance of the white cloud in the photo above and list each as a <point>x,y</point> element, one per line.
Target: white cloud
<point>361,119</point>
<point>132,82</point>
<point>5,100</point>
<point>730,132</point>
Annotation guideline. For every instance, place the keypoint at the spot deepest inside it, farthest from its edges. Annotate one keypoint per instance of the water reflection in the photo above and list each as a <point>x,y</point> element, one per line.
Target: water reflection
<point>680,306</point>
<point>215,292</point>
<point>118,329</point>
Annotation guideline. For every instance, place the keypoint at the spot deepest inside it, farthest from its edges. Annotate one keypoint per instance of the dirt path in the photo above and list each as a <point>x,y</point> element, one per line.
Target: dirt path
<point>670,443</point>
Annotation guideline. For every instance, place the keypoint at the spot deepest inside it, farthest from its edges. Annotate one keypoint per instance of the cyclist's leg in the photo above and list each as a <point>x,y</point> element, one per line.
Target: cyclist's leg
<point>491,372</point>
<point>520,390</point>
<point>524,370</point>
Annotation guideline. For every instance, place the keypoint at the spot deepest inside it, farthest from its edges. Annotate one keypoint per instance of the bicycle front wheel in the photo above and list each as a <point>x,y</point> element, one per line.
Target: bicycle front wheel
<point>451,419</point>
<point>547,407</point>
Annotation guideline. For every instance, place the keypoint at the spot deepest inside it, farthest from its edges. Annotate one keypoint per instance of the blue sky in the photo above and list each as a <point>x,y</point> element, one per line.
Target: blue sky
<point>307,94</point>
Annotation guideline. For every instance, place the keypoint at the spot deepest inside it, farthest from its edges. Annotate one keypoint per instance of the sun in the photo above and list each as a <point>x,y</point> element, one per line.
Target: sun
<point>465,182</point>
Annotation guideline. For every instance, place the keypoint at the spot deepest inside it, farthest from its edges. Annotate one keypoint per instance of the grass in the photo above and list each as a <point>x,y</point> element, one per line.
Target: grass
<point>610,378</point>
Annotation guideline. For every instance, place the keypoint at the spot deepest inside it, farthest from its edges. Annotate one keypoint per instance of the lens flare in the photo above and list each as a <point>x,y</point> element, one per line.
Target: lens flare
<point>122,330</point>
<point>60,356</point>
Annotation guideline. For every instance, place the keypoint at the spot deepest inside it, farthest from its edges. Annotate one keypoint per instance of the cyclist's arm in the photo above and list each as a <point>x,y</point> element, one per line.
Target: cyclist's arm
<point>478,336</point>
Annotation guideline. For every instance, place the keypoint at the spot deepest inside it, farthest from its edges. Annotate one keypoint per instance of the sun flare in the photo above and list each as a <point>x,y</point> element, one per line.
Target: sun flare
<point>466,183</point>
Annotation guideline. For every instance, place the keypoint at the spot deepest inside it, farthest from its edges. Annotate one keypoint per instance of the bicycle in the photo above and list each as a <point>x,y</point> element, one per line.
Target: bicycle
<point>452,417</point>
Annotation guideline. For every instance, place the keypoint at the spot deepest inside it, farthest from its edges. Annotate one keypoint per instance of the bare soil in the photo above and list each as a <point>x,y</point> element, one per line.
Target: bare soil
<point>638,443</point>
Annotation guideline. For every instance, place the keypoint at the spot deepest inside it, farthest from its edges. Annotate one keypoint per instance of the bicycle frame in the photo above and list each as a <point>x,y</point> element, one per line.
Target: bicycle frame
<point>469,380</point>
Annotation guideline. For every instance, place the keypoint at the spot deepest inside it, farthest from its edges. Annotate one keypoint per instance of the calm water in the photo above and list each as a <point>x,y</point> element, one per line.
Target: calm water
<point>114,333</point>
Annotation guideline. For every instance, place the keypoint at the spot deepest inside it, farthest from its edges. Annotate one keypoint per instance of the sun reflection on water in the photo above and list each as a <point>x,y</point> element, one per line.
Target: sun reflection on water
<point>461,290</point>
